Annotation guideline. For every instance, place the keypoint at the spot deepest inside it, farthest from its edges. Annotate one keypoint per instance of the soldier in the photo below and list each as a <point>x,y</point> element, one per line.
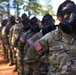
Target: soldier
<point>46,21</point>
<point>64,60</point>
<point>38,57</point>
<point>6,30</point>
<point>3,24</point>
<point>16,31</point>
<point>34,28</point>
<point>60,8</point>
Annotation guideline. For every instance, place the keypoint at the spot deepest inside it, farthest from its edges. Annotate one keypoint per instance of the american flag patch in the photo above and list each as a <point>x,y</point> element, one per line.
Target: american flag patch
<point>38,45</point>
<point>29,41</point>
<point>21,39</point>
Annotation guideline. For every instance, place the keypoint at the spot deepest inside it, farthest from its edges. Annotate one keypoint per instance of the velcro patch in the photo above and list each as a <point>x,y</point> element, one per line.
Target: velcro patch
<point>21,39</point>
<point>38,46</point>
<point>29,41</point>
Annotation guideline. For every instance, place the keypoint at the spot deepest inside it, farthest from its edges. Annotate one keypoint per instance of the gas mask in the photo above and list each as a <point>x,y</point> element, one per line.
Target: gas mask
<point>47,28</point>
<point>68,26</point>
<point>35,27</point>
<point>27,27</point>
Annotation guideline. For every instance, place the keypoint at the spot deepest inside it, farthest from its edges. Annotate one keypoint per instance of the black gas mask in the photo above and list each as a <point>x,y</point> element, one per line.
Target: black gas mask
<point>69,25</point>
<point>48,24</point>
<point>35,27</point>
<point>12,20</point>
<point>25,23</point>
<point>48,27</point>
<point>34,24</point>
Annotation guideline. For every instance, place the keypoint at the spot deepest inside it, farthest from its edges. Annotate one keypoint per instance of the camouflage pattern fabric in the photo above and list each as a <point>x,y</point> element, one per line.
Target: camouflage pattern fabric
<point>21,44</point>
<point>35,54</point>
<point>63,56</point>
<point>15,33</point>
<point>27,45</point>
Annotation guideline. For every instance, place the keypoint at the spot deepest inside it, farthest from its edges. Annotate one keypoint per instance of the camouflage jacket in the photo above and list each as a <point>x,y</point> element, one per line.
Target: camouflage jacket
<point>23,40</point>
<point>31,40</point>
<point>56,48</point>
<point>5,33</point>
<point>44,45</point>
<point>15,33</point>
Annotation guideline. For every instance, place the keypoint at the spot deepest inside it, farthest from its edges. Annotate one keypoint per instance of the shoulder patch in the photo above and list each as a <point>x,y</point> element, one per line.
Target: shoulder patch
<point>21,39</point>
<point>29,41</point>
<point>38,46</point>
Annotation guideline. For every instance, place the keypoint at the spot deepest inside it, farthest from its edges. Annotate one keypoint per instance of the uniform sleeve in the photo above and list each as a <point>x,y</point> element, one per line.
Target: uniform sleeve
<point>32,40</point>
<point>21,43</point>
<point>10,35</point>
<point>39,48</point>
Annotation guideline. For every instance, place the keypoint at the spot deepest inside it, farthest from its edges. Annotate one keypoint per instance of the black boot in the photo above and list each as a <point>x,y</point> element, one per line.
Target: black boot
<point>11,64</point>
<point>15,67</point>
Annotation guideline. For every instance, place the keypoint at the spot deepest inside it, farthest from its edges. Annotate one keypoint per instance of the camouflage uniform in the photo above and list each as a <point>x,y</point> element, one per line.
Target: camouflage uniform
<point>15,33</point>
<point>34,56</point>
<point>59,57</point>
<point>34,28</point>
<point>3,24</point>
<point>22,42</point>
<point>27,45</point>
<point>5,37</point>
<point>3,41</point>
<point>63,59</point>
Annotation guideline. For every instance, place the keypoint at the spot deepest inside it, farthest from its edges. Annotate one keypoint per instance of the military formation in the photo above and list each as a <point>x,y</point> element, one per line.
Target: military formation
<point>40,47</point>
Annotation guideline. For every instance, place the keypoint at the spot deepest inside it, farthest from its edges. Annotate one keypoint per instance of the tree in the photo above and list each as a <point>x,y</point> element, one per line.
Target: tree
<point>33,8</point>
<point>47,8</point>
<point>36,8</point>
<point>16,5</point>
<point>3,8</point>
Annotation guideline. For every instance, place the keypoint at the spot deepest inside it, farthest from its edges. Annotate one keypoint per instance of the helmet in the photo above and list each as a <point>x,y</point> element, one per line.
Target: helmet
<point>25,21</point>
<point>65,3</point>
<point>34,25</point>
<point>69,9</point>
<point>12,19</point>
<point>23,16</point>
<point>47,17</point>
<point>34,20</point>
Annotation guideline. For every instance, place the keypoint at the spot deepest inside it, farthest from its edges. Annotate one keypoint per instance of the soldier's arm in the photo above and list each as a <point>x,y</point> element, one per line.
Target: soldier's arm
<point>40,47</point>
<point>31,40</point>
<point>10,35</point>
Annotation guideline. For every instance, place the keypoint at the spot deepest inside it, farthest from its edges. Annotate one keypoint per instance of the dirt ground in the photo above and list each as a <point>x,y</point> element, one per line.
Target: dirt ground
<point>5,69</point>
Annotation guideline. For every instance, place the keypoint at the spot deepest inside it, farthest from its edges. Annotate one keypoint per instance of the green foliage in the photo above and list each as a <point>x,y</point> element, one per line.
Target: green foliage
<point>3,8</point>
<point>36,8</point>
<point>33,7</point>
<point>47,8</point>
<point>16,5</point>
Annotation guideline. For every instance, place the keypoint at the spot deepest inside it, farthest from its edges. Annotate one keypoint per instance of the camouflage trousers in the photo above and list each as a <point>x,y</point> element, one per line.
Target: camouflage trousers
<point>23,69</point>
<point>7,52</point>
<point>20,64</point>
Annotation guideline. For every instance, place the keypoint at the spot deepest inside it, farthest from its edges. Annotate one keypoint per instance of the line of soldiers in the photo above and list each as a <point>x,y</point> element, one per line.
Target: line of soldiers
<point>42,48</point>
